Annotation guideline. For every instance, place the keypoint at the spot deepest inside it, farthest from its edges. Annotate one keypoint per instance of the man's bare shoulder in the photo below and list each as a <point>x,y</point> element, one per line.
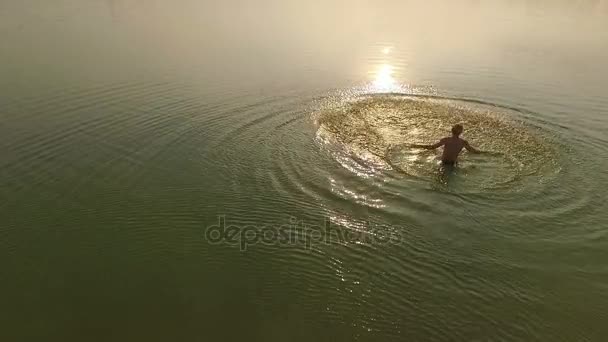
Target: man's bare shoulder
<point>452,140</point>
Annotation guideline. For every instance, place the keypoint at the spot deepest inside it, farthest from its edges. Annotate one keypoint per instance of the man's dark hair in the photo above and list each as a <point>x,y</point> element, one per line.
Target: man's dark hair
<point>457,129</point>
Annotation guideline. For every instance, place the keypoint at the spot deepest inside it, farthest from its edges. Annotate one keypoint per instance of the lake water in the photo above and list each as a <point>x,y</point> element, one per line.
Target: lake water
<point>238,170</point>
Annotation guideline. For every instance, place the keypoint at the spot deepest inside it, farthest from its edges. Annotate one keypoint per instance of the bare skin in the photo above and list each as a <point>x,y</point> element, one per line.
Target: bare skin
<point>452,146</point>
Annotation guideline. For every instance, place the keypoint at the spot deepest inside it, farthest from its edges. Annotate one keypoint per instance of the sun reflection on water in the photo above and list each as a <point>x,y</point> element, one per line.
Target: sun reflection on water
<point>384,80</point>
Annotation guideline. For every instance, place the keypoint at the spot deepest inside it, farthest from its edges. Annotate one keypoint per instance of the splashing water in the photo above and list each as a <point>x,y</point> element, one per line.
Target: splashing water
<point>379,127</point>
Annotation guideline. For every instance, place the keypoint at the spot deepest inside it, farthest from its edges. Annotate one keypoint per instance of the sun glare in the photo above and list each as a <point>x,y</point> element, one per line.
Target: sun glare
<point>384,78</point>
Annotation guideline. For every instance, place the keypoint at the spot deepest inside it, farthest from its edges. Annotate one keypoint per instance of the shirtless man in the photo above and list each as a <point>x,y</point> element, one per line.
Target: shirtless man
<point>451,146</point>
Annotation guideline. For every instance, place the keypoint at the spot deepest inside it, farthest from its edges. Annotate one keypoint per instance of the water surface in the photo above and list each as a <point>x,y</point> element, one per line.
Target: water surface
<point>132,130</point>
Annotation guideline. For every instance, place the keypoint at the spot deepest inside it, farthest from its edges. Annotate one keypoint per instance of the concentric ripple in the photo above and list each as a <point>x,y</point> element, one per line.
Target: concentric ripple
<point>381,127</point>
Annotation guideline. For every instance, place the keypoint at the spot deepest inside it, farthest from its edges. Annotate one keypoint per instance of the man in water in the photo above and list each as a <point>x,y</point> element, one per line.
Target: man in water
<point>451,146</point>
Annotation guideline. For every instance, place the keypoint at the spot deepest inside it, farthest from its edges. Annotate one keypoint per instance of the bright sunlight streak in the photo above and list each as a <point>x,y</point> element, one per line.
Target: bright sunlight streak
<point>384,78</point>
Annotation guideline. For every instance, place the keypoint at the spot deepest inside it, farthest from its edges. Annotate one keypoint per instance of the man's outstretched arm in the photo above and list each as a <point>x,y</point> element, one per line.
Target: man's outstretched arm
<point>430,147</point>
<point>470,148</point>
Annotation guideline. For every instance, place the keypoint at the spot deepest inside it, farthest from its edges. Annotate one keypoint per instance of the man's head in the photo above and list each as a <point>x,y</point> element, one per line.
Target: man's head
<point>457,129</point>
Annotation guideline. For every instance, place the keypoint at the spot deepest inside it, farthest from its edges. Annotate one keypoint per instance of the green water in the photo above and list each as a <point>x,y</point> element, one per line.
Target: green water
<point>223,171</point>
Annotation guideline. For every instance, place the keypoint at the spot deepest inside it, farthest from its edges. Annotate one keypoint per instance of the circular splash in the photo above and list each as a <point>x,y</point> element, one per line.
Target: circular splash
<point>379,128</point>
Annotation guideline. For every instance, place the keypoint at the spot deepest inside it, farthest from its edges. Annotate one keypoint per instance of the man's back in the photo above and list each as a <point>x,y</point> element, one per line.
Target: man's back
<point>451,146</point>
